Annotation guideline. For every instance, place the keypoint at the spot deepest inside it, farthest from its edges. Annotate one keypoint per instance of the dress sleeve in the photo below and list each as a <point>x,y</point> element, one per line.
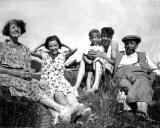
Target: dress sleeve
<point>41,51</point>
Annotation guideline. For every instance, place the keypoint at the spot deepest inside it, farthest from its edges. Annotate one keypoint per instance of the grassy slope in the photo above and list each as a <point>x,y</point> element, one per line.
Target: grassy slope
<point>106,110</point>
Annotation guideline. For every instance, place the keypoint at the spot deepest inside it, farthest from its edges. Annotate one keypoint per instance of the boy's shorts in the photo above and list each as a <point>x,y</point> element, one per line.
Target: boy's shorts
<point>89,67</point>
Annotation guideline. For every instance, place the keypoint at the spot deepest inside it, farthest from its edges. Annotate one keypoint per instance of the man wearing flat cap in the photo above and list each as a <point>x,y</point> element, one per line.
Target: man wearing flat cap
<point>134,74</point>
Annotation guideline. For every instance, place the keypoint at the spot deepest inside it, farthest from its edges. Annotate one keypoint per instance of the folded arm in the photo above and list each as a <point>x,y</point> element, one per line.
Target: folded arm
<point>15,72</point>
<point>70,52</point>
<point>36,54</point>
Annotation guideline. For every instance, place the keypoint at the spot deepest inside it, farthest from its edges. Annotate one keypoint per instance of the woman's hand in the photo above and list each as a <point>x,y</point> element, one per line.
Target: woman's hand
<point>89,61</point>
<point>96,54</point>
<point>22,74</point>
<point>101,55</point>
<point>36,55</point>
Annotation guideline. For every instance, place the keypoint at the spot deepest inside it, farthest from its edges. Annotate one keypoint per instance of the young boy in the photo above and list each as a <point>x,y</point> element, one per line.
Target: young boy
<point>95,46</point>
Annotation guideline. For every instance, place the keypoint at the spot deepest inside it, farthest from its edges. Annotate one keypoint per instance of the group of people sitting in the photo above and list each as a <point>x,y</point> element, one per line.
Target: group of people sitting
<point>133,71</point>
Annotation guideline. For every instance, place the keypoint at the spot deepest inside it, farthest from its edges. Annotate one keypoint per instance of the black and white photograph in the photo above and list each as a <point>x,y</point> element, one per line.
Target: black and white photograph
<point>79,64</point>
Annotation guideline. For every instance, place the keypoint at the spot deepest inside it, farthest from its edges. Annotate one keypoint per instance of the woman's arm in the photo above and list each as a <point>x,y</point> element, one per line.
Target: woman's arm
<point>66,46</point>
<point>114,50</point>
<point>36,55</point>
<point>70,52</point>
<point>38,47</point>
<point>86,59</point>
<point>102,55</point>
<point>15,72</point>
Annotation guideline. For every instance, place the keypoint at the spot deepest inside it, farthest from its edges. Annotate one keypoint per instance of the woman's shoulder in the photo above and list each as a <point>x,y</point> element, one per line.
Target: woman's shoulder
<point>62,54</point>
<point>4,43</point>
<point>25,48</point>
<point>114,44</point>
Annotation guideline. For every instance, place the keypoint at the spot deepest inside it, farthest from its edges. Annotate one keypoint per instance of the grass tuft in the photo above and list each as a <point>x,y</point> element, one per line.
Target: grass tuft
<point>107,112</point>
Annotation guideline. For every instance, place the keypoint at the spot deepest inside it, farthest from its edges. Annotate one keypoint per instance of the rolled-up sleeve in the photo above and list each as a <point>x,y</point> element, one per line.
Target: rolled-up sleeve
<point>152,65</point>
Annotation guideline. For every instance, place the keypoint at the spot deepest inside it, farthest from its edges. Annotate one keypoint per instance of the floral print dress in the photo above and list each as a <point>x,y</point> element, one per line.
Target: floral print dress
<point>52,77</point>
<point>17,57</point>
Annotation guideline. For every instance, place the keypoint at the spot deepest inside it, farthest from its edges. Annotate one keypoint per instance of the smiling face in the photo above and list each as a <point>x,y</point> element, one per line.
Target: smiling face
<point>95,38</point>
<point>130,46</point>
<point>14,30</point>
<point>53,46</point>
<point>106,39</point>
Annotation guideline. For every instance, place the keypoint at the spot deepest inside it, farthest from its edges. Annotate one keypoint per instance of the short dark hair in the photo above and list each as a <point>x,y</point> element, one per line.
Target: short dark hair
<point>108,31</point>
<point>19,23</point>
<point>51,38</point>
<point>94,31</point>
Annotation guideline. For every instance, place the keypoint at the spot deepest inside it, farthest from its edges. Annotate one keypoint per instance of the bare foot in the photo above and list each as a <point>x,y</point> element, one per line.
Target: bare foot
<point>77,111</point>
<point>85,114</point>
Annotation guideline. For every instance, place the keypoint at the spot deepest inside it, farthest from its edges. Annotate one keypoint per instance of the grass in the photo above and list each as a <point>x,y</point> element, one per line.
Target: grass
<point>107,112</point>
<point>106,109</point>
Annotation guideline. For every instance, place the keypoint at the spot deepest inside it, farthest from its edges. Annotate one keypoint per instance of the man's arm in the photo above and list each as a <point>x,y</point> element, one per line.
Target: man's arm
<point>152,65</point>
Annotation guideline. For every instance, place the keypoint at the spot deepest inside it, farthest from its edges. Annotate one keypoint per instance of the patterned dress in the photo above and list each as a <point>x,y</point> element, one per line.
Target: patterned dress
<point>52,78</point>
<point>18,57</point>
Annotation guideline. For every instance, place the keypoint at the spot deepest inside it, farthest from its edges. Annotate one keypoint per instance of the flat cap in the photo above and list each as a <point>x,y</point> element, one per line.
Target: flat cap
<point>131,37</point>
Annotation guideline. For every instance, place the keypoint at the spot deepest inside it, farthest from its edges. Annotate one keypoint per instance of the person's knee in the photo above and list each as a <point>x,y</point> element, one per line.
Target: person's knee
<point>130,97</point>
<point>71,98</point>
<point>82,64</point>
<point>44,98</point>
<point>98,64</point>
<point>60,98</point>
<point>124,83</point>
<point>98,67</point>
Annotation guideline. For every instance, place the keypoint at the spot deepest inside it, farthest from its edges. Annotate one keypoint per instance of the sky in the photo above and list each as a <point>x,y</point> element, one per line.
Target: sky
<point>71,20</point>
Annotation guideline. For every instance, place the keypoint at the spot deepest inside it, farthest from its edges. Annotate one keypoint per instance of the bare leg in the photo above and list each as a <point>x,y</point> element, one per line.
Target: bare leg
<point>72,99</point>
<point>98,74</point>
<point>55,115</point>
<point>65,113</point>
<point>60,98</point>
<point>81,73</point>
<point>49,102</point>
<point>78,108</point>
<point>81,111</point>
<point>89,80</point>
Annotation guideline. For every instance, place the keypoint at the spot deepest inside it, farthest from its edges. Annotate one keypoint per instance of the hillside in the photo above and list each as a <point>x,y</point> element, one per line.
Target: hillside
<point>108,113</point>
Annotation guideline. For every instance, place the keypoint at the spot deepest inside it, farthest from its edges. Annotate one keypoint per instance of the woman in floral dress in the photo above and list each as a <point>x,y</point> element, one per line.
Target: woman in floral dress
<point>16,73</point>
<point>53,78</point>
